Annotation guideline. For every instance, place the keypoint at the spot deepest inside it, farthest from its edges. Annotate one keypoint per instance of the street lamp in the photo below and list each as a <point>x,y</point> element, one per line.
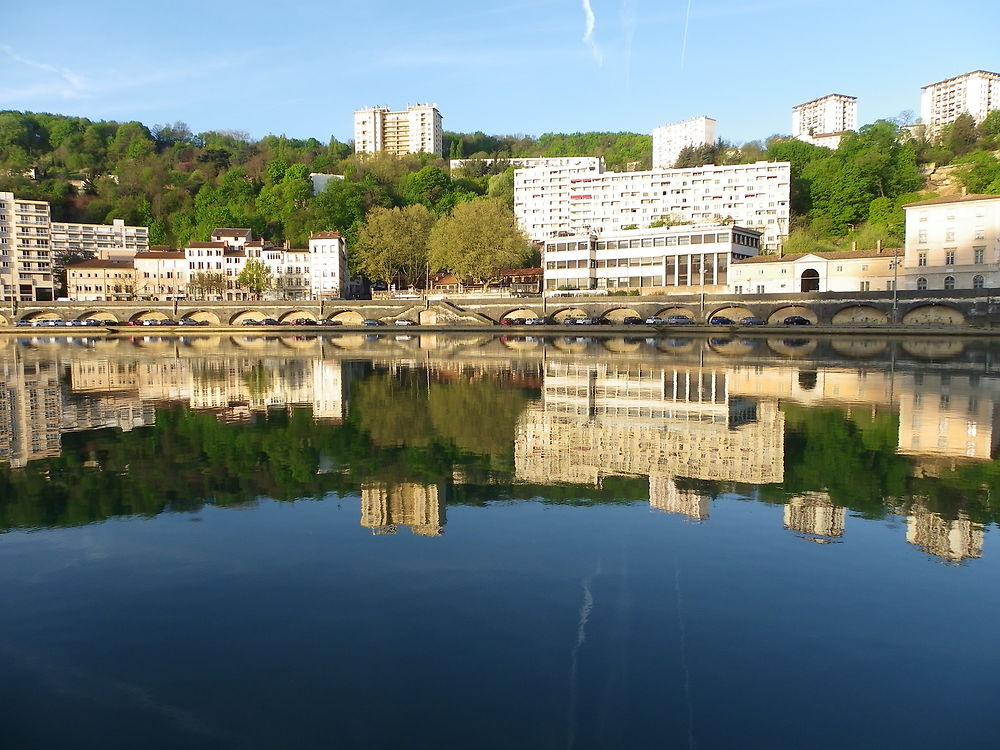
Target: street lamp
<point>895,290</point>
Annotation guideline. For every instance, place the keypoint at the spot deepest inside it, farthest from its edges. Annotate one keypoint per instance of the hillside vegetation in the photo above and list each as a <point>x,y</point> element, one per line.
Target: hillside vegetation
<point>182,185</point>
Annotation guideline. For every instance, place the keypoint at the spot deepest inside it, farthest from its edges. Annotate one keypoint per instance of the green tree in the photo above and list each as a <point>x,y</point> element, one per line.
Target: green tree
<point>255,277</point>
<point>393,242</point>
<point>478,239</point>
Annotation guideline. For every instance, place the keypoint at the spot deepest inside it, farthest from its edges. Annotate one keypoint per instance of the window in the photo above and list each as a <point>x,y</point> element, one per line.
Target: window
<point>949,282</point>
<point>980,253</point>
<point>949,235</point>
<point>921,283</point>
<point>922,236</point>
<point>922,259</point>
<point>980,233</point>
<point>978,282</point>
<point>866,286</point>
<point>949,257</point>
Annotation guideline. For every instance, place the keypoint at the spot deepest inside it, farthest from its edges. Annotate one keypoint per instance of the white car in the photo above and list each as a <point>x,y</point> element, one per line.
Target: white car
<point>405,322</point>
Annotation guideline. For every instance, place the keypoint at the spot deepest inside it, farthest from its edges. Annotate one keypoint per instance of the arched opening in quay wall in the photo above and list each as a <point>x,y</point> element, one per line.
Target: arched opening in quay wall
<point>934,315</point>
<point>777,317</point>
<point>859,315</point>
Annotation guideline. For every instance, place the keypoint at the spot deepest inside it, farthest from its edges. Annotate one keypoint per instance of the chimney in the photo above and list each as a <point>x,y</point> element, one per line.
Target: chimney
<point>854,245</point>
<point>878,245</point>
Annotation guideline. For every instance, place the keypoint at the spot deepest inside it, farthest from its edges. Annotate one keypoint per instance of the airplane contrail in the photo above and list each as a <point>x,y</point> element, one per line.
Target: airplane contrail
<point>588,35</point>
<point>684,44</point>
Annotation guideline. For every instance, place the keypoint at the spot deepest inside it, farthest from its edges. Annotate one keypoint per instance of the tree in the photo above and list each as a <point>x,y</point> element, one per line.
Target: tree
<point>393,242</point>
<point>207,283</point>
<point>478,239</point>
<point>255,277</point>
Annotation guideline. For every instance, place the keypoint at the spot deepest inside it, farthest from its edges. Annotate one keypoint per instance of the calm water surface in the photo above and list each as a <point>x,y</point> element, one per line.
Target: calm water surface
<point>576,542</point>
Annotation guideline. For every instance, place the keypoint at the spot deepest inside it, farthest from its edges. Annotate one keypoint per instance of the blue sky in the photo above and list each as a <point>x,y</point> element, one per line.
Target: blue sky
<point>500,66</point>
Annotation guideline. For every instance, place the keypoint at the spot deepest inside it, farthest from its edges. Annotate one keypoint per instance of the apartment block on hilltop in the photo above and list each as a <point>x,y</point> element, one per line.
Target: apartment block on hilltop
<point>823,121</point>
<point>976,93</point>
<point>566,201</point>
<point>581,163</point>
<point>413,131</point>
<point>670,140</point>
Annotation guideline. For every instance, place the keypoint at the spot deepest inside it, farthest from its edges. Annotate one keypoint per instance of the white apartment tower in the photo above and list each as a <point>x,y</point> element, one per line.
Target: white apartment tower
<point>670,140</point>
<point>822,121</point>
<point>416,130</point>
<point>976,93</point>
<point>560,202</point>
<point>25,256</point>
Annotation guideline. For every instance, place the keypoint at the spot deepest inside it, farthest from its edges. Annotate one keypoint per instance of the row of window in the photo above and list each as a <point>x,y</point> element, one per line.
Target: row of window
<point>978,282</point>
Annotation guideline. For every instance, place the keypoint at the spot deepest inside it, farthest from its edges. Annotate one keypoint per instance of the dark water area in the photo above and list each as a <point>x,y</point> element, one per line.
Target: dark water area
<point>396,541</point>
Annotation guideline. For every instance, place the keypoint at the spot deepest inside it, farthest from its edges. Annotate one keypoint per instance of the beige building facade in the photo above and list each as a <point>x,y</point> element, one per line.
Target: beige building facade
<point>865,271</point>
<point>670,140</point>
<point>93,280</point>
<point>25,253</point>
<point>823,121</point>
<point>976,93</point>
<point>953,242</point>
<point>415,130</point>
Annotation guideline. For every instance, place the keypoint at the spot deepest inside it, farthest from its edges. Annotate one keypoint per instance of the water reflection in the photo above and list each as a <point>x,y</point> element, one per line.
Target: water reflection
<point>413,423</point>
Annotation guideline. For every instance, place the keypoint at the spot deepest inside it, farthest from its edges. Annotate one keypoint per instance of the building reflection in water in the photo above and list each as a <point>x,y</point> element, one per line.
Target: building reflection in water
<point>668,420</point>
<point>814,514</point>
<point>639,420</point>
<point>385,507</point>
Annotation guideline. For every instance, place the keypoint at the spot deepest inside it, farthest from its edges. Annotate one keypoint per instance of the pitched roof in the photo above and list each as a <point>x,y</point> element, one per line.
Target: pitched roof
<point>325,236</point>
<point>953,199</point>
<point>230,232</point>
<point>160,255</point>
<point>98,263</point>
<point>220,245</point>
<point>832,255</point>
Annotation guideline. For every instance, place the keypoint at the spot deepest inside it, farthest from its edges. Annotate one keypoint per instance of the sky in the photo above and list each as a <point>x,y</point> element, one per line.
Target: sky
<point>502,67</point>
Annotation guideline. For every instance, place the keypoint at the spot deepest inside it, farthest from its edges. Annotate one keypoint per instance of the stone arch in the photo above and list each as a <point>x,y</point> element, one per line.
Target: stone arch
<point>238,318</point>
<point>568,312</point>
<point>792,347</point>
<point>776,317</point>
<point>859,315</point>
<point>732,347</point>
<point>348,317</point>
<point>291,315</point>
<point>99,315</point>
<point>3,320</point>
<point>733,312</point>
<point>519,312</point>
<point>809,280</point>
<point>621,345</point>
<point>44,315</point>
<point>858,347</point>
<point>618,314</point>
<point>148,315</point>
<point>678,310</point>
<point>209,317</point>
<point>933,314</point>
<point>933,348</point>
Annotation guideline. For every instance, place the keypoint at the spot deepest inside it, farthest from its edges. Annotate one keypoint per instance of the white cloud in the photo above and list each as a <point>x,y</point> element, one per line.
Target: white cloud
<point>588,35</point>
<point>61,82</point>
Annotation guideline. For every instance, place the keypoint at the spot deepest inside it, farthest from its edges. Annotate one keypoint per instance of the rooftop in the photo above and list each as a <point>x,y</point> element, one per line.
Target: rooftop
<point>832,255</point>
<point>954,199</point>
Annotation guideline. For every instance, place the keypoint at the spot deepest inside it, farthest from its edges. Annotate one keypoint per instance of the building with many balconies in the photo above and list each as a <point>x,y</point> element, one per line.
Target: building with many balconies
<point>413,131</point>
<point>25,254</point>
<point>976,93</point>
<point>670,140</point>
<point>566,201</point>
<point>823,121</point>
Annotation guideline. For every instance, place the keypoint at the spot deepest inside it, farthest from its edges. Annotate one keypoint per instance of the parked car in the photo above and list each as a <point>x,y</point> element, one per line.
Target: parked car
<point>513,321</point>
<point>304,322</point>
<point>23,324</point>
<point>632,320</point>
<point>373,322</point>
<point>328,322</point>
<point>752,320</point>
<point>678,320</point>
<point>721,320</point>
<point>270,322</point>
<point>405,322</point>
<point>191,322</point>
<point>537,322</point>
<point>796,320</point>
<point>251,322</point>
<point>655,320</point>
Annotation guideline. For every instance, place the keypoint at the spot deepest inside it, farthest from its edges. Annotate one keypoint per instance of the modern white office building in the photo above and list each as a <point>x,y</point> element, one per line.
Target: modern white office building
<point>823,121</point>
<point>413,131</point>
<point>670,140</point>
<point>554,202</point>
<point>682,259</point>
<point>98,240</point>
<point>976,93</point>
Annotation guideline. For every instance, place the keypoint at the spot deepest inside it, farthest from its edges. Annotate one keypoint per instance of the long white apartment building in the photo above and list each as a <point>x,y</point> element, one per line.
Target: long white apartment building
<point>416,130</point>
<point>114,241</point>
<point>976,93</point>
<point>25,254</point>
<point>692,258</point>
<point>823,121</point>
<point>553,202</point>
<point>581,163</point>
<point>669,140</point>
